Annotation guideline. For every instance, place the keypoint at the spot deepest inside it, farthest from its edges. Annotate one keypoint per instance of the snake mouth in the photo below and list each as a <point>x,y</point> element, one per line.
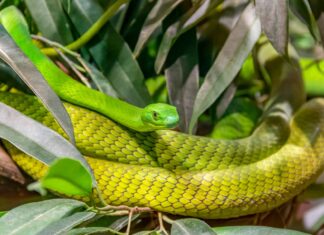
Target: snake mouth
<point>169,123</point>
<point>172,122</point>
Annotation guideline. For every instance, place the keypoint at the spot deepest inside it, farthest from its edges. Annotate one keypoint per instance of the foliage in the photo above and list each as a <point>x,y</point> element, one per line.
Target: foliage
<point>202,53</point>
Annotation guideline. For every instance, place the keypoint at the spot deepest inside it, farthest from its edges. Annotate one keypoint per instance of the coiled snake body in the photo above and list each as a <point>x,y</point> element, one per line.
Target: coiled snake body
<point>190,175</point>
<point>178,173</point>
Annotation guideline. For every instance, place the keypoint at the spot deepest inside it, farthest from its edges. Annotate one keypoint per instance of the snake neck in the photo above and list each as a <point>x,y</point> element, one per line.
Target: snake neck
<point>63,85</point>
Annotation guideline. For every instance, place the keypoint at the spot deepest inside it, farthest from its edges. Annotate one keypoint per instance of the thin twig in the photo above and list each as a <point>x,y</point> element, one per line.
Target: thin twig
<point>71,64</point>
<point>115,213</point>
<point>78,67</point>
<point>59,48</point>
<point>55,44</point>
<point>129,222</point>
<point>127,208</point>
<point>165,218</point>
<point>84,65</point>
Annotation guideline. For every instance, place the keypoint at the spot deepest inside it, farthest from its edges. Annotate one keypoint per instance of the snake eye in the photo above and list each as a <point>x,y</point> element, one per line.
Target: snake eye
<point>155,115</point>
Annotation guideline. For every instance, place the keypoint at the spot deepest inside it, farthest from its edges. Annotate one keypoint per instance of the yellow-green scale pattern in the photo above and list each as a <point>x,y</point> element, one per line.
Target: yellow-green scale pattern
<point>220,193</point>
<point>99,137</point>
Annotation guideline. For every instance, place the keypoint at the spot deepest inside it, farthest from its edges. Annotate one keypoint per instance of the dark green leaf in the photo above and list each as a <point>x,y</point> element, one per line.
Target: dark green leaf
<point>136,14</point>
<point>9,77</point>
<point>161,9</point>
<point>317,7</point>
<point>157,89</point>
<point>183,76</point>
<point>301,9</point>
<point>69,177</point>
<point>101,82</point>
<point>16,59</point>
<point>65,224</point>
<point>122,222</point>
<point>314,191</point>
<point>191,227</point>
<point>90,230</point>
<point>35,139</point>
<point>239,120</point>
<point>31,218</point>
<point>274,22</point>
<point>118,19</point>
<point>255,230</point>
<point>111,53</point>
<point>225,99</point>
<point>191,18</point>
<point>228,62</point>
<point>50,20</point>
<point>2,213</point>
<point>6,3</point>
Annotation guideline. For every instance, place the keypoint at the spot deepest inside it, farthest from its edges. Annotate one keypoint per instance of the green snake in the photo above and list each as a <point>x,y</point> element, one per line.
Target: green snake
<point>152,117</point>
<point>196,176</point>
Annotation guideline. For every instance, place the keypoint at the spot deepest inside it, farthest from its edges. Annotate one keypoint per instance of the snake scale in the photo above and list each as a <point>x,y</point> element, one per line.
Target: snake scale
<point>191,175</point>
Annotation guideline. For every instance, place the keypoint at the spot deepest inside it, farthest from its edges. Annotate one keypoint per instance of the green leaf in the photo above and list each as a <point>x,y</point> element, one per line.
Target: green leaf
<point>225,99</point>
<point>228,62</point>
<point>238,121</point>
<point>69,177</point>
<point>274,22</point>
<point>122,222</point>
<point>192,17</point>
<point>111,53</point>
<point>255,230</point>
<point>90,230</point>
<point>157,89</point>
<point>19,62</point>
<point>191,226</point>
<point>118,19</point>
<point>317,7</point>
<point>135,18</point>
<point>31,218</point>
<point>159,12</point>
<point>314,191</point>
<point>9,77</point>
<point>35,139</point>
<point>6,3</point>
<point>182,75</point>
<point>37,187</point>
<point>67,223</point>
<point>50,20</point>
<point>313,75</point>
<point>2,213</point>
<point>302,10</point>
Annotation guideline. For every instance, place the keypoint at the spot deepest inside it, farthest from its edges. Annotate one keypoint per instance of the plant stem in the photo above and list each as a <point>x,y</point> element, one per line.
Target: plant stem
<point>55,44</point>
<point>91,32</point>
<point>167,219</point>
<point>129,222</point>
<point>161,218</point>
<point>72,66</point>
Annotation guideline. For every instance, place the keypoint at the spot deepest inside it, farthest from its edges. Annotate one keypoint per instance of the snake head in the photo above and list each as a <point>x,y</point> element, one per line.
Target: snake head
<point>160,116</point>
